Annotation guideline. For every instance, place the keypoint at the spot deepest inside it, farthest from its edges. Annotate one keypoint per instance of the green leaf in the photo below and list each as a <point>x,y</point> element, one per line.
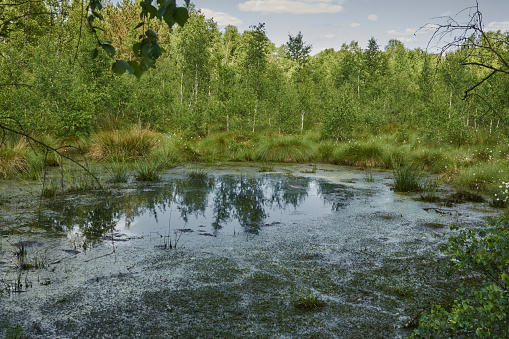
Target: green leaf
<point>97,15</point>
<point>95,52</point>
<point>505,278</point>
<point>151,34</point>
<point>151,10</point>
<point>139,25</point>
<point>90,18</point>
<point>120,67</point>
<point>99,28</point>
<point>138,72</point>
<point>107,41</point>
<point>181,16</point>
<point>137,48</point>
<point>160,11</point>
<point>151,50</point>
<point>168,18</point>
<point>96,5</point>
<point>146,64</point>
<point>108,49</point>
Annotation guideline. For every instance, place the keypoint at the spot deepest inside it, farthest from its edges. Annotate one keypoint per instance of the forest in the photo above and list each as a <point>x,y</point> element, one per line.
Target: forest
<point>221,95</point>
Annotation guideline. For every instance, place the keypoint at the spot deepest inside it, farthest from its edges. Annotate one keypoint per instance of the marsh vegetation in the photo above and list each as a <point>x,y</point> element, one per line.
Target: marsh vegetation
<point>86,157</point>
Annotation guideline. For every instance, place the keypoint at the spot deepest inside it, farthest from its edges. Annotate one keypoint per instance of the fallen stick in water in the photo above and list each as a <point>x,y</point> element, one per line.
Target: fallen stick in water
<point>414,318</point>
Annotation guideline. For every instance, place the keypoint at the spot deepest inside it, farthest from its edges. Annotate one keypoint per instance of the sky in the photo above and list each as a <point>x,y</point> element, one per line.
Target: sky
<point>330,23</point>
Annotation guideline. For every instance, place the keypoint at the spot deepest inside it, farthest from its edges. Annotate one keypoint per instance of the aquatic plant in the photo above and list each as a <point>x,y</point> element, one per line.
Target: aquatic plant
<point>197,174</point>
<point>78,182</point>
<point>284,149</point>
<point>266,168</point>
<point>118,172</point>
<point>406,179</point>
<point>148,170</point>
<point>428,188</point>
<point>15,332</point>
<point>50,188</point>
<point>309,302</point>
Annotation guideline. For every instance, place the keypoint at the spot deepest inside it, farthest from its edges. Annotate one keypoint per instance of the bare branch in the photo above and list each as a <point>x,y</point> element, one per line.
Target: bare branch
<point>479,83</point>
<point>57,150</point>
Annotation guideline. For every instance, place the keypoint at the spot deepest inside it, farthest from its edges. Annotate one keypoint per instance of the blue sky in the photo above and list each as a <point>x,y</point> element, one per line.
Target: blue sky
<point>330,23</point>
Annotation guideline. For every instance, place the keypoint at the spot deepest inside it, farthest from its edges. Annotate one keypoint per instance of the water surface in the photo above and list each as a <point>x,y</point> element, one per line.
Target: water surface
<point>248,245</point>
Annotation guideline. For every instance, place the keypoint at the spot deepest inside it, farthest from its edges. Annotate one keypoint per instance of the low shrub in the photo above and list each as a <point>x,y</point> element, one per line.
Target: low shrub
<point>482,309</point>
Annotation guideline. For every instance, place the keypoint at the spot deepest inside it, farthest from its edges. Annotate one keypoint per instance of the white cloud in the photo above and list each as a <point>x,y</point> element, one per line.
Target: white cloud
<point>329,36</point>
<point>221,18</point>
<point>372,17</point>
<point>408,31</point>
<point>501,25</point>
<point>291,6</point>
<point>412,31</point>
<point>355,24</point>
<point>403,39</point>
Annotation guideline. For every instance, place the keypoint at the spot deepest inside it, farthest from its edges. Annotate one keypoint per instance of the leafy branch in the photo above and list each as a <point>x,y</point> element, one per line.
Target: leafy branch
<point>147,50</point>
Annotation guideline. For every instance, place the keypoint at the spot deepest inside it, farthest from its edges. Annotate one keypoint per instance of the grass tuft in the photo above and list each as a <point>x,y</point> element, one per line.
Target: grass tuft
<point>406,180</point>
<point>127,145</point>
<point>309,302</point>
<point>13,158</point>
<point>148,170</point>
<point>284,149</point>
<point>118,172</point>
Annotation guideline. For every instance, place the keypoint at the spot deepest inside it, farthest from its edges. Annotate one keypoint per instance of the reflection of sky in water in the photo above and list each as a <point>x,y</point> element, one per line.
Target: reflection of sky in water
<point>241,203</point>
<point>221,203</point>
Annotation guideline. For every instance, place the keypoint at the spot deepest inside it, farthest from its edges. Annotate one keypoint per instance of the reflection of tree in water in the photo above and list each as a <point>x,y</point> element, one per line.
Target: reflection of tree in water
<point>339,195</point>
<point>241,198</point>
<point>191,195</point>
<point>234,197</point>
<point>287,191</point>
<point>93,217</point>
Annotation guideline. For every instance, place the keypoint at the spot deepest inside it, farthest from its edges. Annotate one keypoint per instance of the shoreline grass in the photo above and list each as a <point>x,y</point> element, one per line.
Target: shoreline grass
<point>473,169</point>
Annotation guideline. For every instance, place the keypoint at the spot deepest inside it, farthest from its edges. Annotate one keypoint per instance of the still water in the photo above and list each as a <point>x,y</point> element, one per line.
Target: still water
<point>226,254</point>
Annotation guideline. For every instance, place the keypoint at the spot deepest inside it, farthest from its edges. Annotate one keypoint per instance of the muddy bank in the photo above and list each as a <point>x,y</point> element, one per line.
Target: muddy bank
<point>111,268</point>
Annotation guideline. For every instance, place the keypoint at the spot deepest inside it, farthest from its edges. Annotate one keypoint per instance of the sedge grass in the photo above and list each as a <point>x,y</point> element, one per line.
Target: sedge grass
<point>406,179</point>
<point>13,158</point>
<point>148,170</point>
<point>133,144</point>
<point>284,149</point>
<point>118,172</point>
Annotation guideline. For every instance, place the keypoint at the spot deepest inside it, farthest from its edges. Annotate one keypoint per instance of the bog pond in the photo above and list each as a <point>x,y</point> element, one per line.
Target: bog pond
<point>299,252</point>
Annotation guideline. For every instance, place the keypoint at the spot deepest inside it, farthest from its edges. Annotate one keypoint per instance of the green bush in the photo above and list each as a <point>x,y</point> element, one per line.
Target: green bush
<point>482,310</point>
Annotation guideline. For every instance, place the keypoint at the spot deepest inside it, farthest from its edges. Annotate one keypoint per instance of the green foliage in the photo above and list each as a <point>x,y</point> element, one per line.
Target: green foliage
<point>118,172</point>
<point>133,144</point>
<point>285,149</point>
<point>148,170</point>
<point>15,332</point>
<point>309,302</point>
<point>361,154</point>
<point>482,309</point>
<point>13,158</point>
<point>406,179</point>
